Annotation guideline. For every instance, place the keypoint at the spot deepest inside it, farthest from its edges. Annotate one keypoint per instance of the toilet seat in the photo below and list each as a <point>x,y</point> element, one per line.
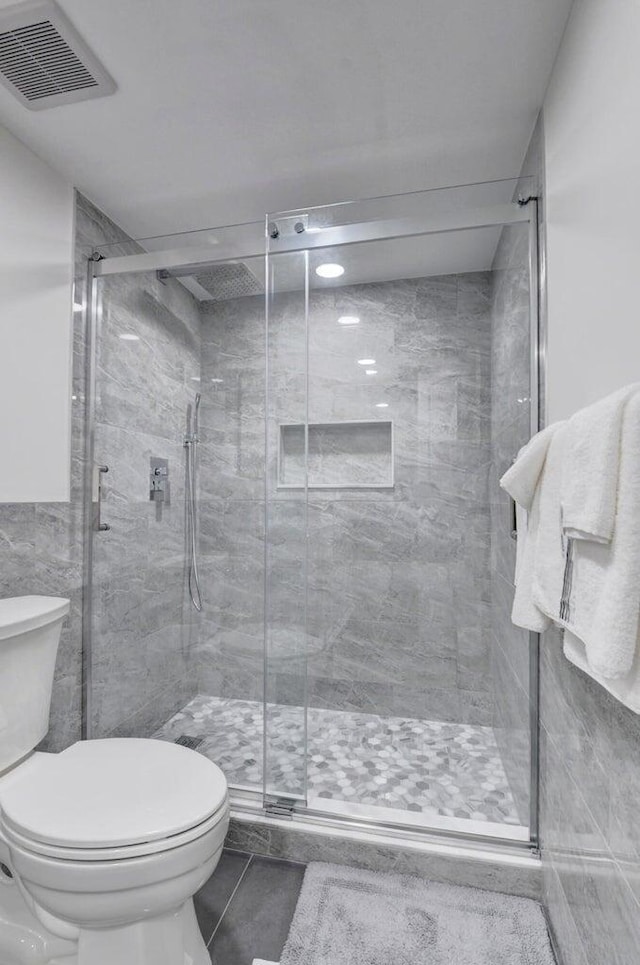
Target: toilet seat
<point>112,799</point>
<point>143,849</point>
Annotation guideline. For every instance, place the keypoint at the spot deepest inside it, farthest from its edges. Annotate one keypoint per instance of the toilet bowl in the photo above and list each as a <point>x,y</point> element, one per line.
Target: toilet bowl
<point>106,843</point>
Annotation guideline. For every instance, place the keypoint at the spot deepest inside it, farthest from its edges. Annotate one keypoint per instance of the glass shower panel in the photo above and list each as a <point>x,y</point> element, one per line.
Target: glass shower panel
<point>286,630</point>
<point>514,419</point>
<point>418,685</point>
<point>167,344</point>
<point>143,626</point>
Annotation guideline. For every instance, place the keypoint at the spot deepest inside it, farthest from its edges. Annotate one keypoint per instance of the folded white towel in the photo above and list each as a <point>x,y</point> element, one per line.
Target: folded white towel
<point>524,612</point>
<point>520,479</point>
<point>625,689</point>
<point>588,586</point>
<point>551,546</point>
<point>524,481</point>
<point>591,466</point>
<point>604,592</point>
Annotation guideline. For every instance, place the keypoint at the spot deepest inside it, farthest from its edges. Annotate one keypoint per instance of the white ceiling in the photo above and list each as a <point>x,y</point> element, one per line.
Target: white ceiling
<point>226,109</point>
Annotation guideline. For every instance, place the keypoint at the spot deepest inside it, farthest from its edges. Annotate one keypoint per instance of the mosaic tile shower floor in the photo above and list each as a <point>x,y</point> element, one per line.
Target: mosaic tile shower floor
<point>423,766</point>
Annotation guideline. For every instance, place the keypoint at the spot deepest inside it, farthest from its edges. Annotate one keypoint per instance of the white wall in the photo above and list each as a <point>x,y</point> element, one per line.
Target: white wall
<point>36,239</point>
<point>592,132</point>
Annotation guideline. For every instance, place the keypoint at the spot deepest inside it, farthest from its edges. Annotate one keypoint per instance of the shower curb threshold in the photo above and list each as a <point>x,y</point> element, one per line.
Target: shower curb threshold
<point>518,857</point>
<point>510,870</point>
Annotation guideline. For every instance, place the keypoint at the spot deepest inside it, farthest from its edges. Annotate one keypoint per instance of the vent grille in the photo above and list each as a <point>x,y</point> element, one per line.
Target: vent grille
<point>44,61</point>
<point>185,740</point>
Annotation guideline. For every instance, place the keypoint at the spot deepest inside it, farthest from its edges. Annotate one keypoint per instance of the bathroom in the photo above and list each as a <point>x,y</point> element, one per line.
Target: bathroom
<point>258,397</point>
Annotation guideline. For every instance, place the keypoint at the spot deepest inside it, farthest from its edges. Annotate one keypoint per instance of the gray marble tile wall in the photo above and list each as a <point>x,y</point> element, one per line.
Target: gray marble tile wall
<point>398,615</point>
<point>231,491</point>
<point>590,783</point>
<point>143,624</point>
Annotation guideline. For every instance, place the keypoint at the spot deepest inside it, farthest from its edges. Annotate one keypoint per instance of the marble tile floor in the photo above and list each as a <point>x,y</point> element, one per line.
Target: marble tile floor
<point>421,766</point>
<point>245,908</point>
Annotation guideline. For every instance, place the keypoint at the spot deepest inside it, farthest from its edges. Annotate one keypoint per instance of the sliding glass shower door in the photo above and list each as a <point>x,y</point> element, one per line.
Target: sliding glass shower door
<point>365,376</point>
<point>410,324</point>
<point>286,531</point>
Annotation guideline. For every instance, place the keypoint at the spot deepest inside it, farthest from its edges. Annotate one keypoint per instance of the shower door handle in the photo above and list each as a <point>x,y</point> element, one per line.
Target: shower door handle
<point>513,512</point>
<point>513,518</point>
<point>98,472</point>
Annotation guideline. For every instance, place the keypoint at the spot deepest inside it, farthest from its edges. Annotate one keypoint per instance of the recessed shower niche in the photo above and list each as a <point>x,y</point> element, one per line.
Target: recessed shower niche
<point>336,455</point>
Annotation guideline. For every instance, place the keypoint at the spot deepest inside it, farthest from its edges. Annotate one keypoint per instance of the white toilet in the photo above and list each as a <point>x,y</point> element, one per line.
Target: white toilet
<point>102,846</point>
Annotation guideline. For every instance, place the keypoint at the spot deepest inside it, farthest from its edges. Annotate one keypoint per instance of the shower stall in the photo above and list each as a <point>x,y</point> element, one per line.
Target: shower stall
<point>322,607</point>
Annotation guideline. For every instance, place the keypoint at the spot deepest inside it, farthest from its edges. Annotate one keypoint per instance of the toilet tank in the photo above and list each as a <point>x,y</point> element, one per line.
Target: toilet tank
<point>29,636</point>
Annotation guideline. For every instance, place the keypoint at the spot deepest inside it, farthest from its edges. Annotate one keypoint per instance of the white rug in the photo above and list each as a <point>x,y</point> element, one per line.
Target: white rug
<point>346,916</point>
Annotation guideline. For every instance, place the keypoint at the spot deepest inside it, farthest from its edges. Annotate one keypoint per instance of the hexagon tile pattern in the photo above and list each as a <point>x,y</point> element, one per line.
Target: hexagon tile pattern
<point>423,766</point>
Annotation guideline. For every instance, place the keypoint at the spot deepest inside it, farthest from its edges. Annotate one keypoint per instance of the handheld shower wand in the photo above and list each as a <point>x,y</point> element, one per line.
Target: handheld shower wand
<point>196,410</point>
<point>191,495</point>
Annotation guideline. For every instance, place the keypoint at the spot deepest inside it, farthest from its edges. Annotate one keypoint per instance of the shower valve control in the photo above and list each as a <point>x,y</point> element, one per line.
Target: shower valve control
<point>159,480</point>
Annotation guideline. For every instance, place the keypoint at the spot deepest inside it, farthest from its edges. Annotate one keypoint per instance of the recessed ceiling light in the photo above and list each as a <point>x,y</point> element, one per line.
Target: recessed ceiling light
<point>371,372</point>
<point>129,337</point>
<point>217,381</point>
<point>329,270</point>
<point>366,361</point>
<point>382,405</point>
<point>348,320</point>
<point>195,378</point>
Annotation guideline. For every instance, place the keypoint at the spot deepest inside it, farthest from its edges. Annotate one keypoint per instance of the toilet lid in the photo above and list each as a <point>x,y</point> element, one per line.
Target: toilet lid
<point>115,792</point>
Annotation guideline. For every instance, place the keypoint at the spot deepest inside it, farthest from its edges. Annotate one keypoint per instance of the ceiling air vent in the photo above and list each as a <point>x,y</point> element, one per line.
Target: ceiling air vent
<point>43,60</point>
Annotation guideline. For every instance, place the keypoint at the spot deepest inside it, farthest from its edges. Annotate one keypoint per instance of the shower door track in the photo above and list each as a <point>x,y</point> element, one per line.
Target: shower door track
<point>249,806</point>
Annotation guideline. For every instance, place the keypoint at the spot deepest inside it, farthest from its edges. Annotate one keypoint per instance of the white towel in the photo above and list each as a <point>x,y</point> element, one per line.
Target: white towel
<point>591,467</point>
<point>550,554</point>
<point>520,479</point>
<point>625,689</point>
<point>604,598</point>
<point>524,612</point>
<point>524,483</point>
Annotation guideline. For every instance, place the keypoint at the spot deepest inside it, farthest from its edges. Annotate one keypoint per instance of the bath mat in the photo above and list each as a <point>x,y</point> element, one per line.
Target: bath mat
<point>346,916</point>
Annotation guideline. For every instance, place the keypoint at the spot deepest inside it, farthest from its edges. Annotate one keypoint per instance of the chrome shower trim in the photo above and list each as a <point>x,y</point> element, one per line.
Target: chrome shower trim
<point>537,354</point>
<point>92,324</point>
<point>191,502</point>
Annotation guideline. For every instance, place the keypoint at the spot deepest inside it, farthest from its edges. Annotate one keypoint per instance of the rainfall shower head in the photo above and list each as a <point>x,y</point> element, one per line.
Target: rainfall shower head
<point>229,280</point>
<point>220,281</point>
